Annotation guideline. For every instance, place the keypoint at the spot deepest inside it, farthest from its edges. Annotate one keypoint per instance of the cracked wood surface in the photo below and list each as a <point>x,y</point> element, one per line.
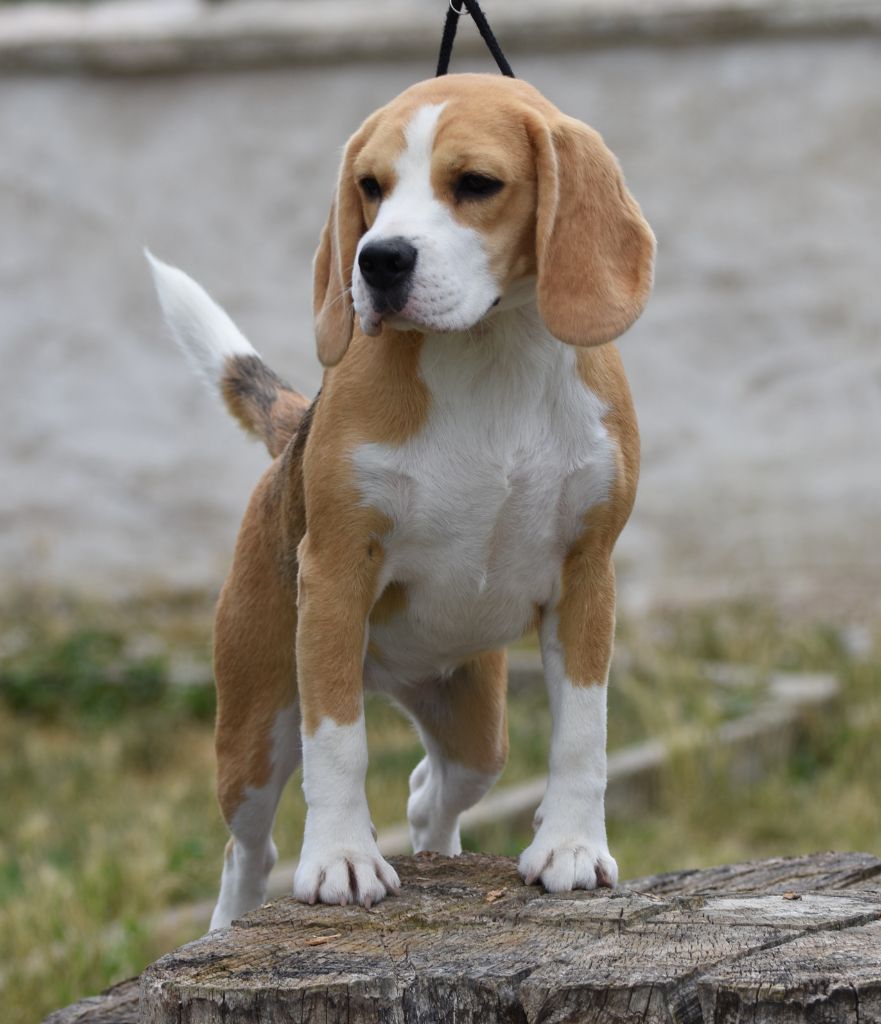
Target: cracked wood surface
<point>783,940</point>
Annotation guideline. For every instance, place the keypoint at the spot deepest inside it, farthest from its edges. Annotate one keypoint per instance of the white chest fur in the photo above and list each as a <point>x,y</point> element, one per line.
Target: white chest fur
<point>487,498</point>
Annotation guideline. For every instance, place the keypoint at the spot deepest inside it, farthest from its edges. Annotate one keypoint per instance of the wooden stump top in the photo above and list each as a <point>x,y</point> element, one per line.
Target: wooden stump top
<point>784,940</point>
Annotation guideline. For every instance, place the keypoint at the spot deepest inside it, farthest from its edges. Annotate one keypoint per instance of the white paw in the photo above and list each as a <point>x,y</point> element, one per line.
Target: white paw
<point>432,827</point>
<point>562,865</point>
<point>344,875</point>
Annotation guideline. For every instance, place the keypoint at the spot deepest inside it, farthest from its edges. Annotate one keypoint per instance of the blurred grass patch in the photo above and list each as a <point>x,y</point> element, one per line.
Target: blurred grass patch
<point>85,672</point>
<point>96,664</point>
<point>108,813</point>
<point>825,793</point>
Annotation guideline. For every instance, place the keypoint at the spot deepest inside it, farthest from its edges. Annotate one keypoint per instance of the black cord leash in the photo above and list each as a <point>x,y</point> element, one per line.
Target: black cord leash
<point>452,23</point>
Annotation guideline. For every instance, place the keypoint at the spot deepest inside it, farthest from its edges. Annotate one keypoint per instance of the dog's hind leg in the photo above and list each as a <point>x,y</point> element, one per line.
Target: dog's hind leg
<point>463,724</point>
<point>258,730</point>
<point>250,853</point>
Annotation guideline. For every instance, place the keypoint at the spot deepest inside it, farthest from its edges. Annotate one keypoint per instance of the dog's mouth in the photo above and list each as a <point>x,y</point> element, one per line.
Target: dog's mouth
<point>371,323</point>
<point>383,306</point>
<point>407,319</point>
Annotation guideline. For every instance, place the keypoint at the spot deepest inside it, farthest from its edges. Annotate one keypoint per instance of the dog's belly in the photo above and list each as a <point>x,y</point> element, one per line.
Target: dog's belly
<point>484,503</point>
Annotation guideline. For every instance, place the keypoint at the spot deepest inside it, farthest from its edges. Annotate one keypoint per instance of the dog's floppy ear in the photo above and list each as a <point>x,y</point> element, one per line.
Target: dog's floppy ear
<point>332,266</point>
<point>594,249</point>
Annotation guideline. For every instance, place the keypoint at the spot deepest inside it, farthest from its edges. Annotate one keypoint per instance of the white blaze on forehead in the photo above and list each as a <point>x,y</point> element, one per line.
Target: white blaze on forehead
<point>413,166</point>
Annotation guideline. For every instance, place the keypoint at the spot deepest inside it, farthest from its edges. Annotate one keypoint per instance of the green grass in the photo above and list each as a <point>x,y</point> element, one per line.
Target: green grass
<point>108,813</point>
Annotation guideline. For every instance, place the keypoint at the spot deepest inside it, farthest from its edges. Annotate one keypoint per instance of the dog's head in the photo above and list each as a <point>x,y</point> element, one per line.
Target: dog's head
<point>471,191</point>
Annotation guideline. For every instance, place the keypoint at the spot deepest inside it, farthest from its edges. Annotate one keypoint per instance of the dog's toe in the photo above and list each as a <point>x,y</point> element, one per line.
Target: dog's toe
<point>562,866</point>
<point>342,877</point>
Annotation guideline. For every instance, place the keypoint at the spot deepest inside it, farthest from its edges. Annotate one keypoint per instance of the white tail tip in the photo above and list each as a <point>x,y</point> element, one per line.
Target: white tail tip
<point>204,332</point>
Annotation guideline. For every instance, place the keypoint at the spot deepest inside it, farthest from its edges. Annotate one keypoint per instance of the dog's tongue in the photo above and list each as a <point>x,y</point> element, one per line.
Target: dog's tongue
<point>371,324</point>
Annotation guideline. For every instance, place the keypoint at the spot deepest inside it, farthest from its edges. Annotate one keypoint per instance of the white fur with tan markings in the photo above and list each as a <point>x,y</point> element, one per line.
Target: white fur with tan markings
<point>484,502</point>
<point>488,497</point>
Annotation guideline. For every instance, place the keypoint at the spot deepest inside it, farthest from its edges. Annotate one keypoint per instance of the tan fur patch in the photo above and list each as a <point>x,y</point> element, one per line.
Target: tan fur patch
<point>466,714</point>
<point>375,395</point>
<point>586,611</point>
<point>594,249</point>
<point>491,140</point>
<point>262,403</point>
<point>254,634</point>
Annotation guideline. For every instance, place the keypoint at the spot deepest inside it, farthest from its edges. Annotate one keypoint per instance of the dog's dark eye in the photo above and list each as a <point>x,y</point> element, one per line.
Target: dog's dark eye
<point>370,188</point>
<point>477,186</point>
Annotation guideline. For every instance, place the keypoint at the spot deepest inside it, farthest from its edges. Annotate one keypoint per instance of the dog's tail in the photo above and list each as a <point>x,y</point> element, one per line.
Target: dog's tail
<point>262,403</point>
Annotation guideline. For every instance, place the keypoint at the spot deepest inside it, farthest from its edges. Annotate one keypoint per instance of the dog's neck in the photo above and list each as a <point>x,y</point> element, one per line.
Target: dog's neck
<point>511,342</point>
<point>508,358</point>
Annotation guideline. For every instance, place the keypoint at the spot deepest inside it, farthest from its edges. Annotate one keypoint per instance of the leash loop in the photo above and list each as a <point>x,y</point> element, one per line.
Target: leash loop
<point>452,23</point>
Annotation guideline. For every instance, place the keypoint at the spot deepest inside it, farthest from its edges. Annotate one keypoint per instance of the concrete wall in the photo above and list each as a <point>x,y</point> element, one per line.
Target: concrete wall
<point>756,368</point>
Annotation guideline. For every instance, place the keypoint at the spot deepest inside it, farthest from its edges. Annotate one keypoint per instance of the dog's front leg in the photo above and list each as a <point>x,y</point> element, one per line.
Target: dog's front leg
<point>340,861</point>
<point>570,850</point>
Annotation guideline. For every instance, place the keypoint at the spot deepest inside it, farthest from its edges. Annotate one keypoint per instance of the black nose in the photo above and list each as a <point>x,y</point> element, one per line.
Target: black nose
<point>385,264</point>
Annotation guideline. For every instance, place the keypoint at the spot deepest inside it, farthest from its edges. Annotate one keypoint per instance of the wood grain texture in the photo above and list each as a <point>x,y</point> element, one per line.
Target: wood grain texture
<point>118,1005</point>
<point>446,951</point>
<point>822,978</point>
<point>782,940</point>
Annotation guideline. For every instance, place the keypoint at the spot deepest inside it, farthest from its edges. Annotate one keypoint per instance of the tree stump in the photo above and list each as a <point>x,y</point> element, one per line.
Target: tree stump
<point>782,940</point>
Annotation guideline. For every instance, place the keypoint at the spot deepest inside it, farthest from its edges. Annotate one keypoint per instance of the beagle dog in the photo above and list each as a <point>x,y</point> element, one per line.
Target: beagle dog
<point>460,479</point>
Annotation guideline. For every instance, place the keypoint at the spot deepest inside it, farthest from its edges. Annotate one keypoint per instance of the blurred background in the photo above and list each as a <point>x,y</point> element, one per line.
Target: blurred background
<point>750,574</point>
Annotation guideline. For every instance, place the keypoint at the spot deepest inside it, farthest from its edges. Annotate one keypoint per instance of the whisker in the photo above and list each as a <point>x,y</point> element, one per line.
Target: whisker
<point>339,298</point>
